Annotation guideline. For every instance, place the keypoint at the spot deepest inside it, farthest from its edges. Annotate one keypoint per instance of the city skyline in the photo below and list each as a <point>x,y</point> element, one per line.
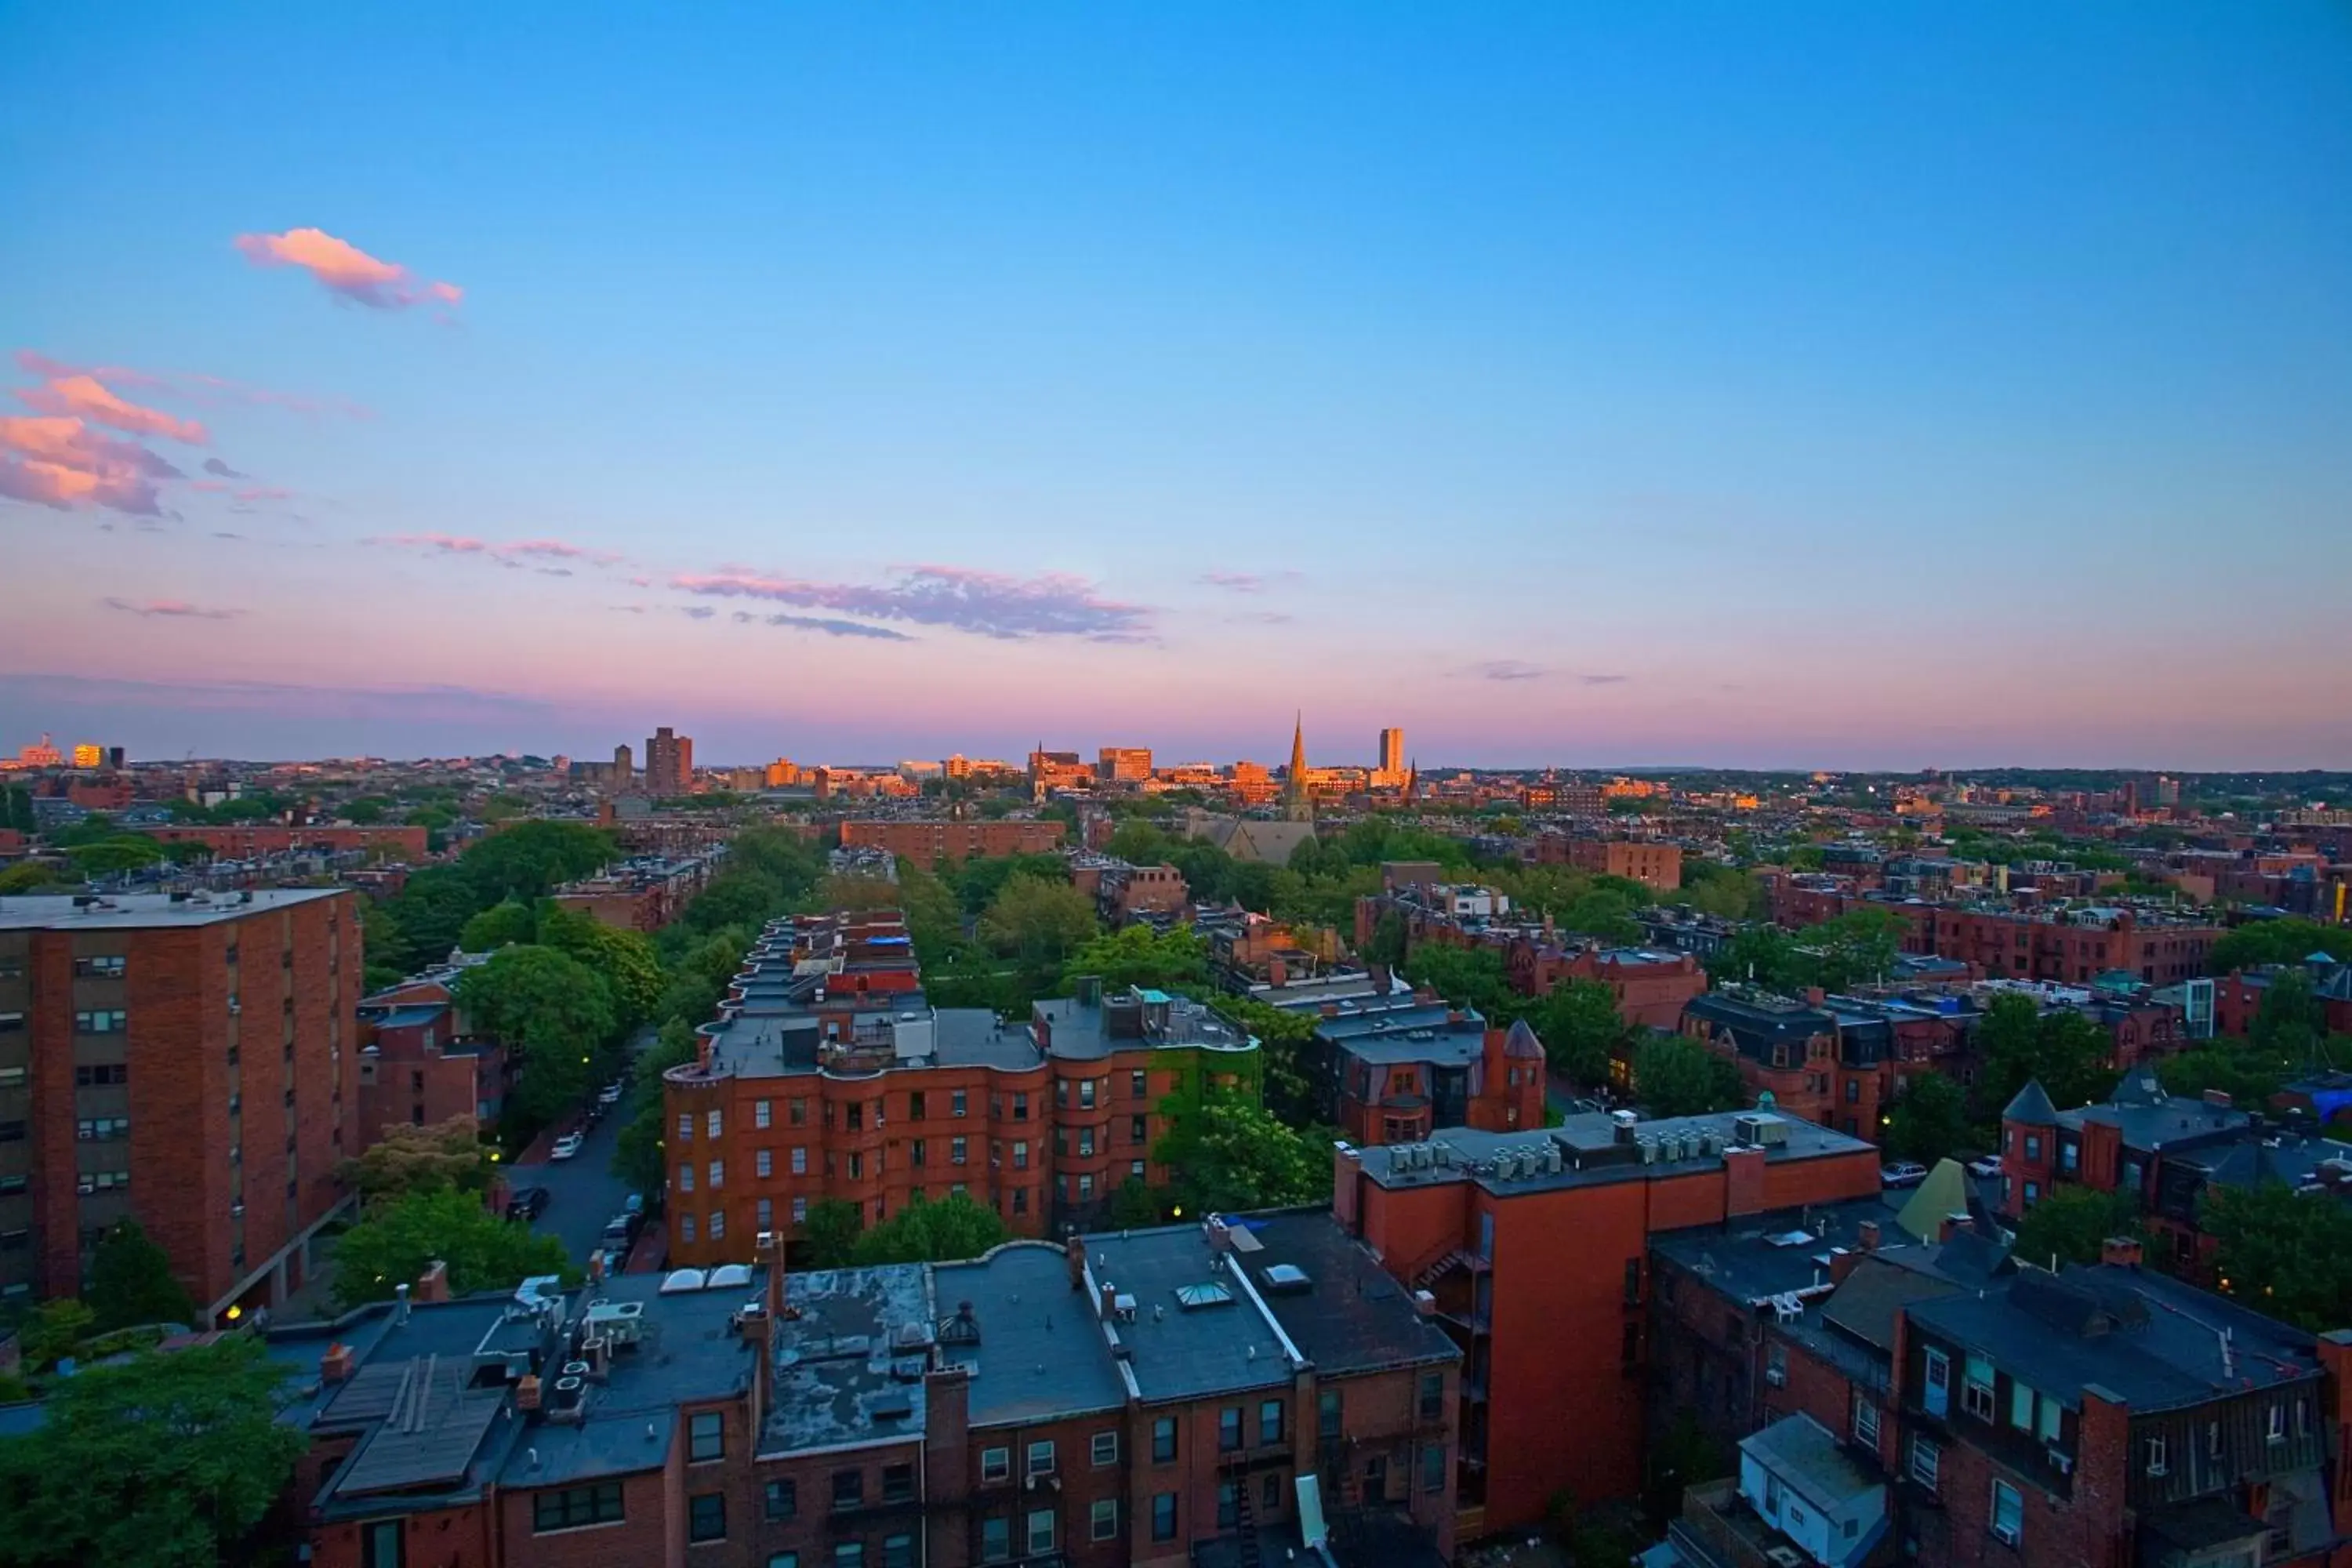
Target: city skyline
<point>1726,389</point>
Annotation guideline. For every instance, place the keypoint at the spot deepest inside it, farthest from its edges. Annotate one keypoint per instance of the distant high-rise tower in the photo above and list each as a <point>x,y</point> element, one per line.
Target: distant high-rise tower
<point>1297,800</point>
<point>623,776</point>
<point>1392,762</point>
<point>669,763</point>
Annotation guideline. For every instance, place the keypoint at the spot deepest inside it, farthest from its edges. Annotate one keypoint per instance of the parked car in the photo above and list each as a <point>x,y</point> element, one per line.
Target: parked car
<point>566,1147</point>
<point>1989,1165</point>
<point>1902,1174</point>
<point>527,1203</point>
<point>609,1094</point>
<point>635,1206</point>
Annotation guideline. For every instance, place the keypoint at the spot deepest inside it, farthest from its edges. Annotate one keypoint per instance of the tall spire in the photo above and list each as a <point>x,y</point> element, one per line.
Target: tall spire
<point>1298,803</point>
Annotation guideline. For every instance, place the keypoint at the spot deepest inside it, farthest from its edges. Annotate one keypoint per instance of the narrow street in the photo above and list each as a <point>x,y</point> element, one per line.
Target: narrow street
<point>582,1192</point>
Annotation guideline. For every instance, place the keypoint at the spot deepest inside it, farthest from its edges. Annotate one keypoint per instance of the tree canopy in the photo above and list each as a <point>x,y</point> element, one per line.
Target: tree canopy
<point>942,1231</point>
<point>1678,1077</point>
<point>555,1016</point>
<point>2287,941</point>
<point>2071,1223</point>
<point>407,1159</point>
<point>1228,1151</point>
<point>1929,1119</point>
<point>2063,1048</point>
<point>396,1240</point>
<point>1581,1032</point>
<point>131,1281</point>
<point>2283,1252</point>
<point>1037,919</point>
<point>1174,960</point>
<point>164,1461</point>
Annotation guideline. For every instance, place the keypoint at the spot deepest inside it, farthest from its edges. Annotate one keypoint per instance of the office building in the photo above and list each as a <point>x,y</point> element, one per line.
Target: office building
<point>180,1060</point>
<point>1124,764</point>
<point>669,763</point>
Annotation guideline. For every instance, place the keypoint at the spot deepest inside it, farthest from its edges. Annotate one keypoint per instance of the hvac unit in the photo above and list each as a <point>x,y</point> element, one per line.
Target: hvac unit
<point>2005,1533</point>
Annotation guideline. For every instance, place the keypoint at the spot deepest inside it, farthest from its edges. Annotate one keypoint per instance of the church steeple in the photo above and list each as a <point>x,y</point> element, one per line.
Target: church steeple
<point>1412,782</point>
<point>1297,802</point>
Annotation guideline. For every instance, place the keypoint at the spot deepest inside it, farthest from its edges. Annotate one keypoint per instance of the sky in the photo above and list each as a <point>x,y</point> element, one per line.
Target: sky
<point>1851,385</point>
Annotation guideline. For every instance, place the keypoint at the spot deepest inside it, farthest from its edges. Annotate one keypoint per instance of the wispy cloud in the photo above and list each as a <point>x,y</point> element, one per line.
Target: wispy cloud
<point>203,389</point>
<point>1249,582</point>
<point>221,471</point>
<point>86,397</point>
<point>830,628</point>
<point>1604,679</point>
<point>519,553</point>
<point>346,271</point>
<point>176,609</point>
<point>245,493</point>
<point>985,603</point>
<point>697,612</point>
<point>1260,618</point>
<point>1505,670</point>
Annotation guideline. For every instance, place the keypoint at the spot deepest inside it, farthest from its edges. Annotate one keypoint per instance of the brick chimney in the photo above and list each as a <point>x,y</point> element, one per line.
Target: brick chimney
<point>1954,1224</point>
<point>527,1392</point>
<point>1842,1263</point>
<point>2123,1251</point>
<point>432,1285</point>
<point>1867,1234</point>
<point>338,1365</point>
<point>1073,1252</point>
<point>2218,1098</point>
<point>1743,1182</point>
<point>1109,1303</point>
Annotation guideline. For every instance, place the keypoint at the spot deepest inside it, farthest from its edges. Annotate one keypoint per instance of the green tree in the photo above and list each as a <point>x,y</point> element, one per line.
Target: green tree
<point>398,1239</point>
<point>508,923</point>
<point>29,875</point>
<point>1464,976</point>
<point>737,898</point>
<point>164,1461</point>
<point>2289,1023</point>
<point>1229,1152</point>
<point>1134,1205</point>
<point>1677,1076</point>
<point>126,852</point>
<point>1580,1030</point>
<point>1857,948</point>
<point>627,960</point>
<point>365,810</point>
<point>1929,1119</point>
<point>829,1235</point>
<point>946,1231</point>
<point>859,892</point>
<point>2247,1074</point>
<point>1174,960</point>
<point>2288,941</point>
<point>17,810</point>
<point>2283,1252</point>
<point>1767,956</point>
<point>1038,921</point>
<point>1604,914</point>
<point>1285,1038</point>
<point>1388,943</point>
<point>56,1331</point>
<point>531,859</point>
<point>131,1281</point>
<point>553,1013</point>
<point>981,878</point>
<point>2070,1223</point>
<point>2063,1048</point>
<point>407,1159</point>
<point>638,1156</point>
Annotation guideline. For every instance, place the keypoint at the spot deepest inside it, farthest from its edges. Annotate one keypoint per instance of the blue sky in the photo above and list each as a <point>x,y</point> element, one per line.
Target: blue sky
<point>1836,386</point>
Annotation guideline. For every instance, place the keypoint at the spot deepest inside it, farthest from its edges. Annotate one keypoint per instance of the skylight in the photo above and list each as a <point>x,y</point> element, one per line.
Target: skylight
<point>1193,1298</point>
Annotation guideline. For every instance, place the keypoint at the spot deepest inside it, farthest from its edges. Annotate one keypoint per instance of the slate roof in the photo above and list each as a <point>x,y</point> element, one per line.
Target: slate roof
<point>2031,1106</point>
<point>1809,1459</point>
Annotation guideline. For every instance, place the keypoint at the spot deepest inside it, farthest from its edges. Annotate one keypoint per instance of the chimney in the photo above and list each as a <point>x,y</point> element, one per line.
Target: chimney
<point>768,1250</point>
<point>1743,1182</point>
<point>400,1303</point>
<point>2122,1251</point>
<point>1867,1234</point>
<point>1954,1224</point>
<point>1075,1252</point>
<point>527,1392</point>
<point>1842,1263</point>
<point>432,1285</point>
<point>1109,1301</point>
<point>596,1266</point>
<point>1815,995</point>
<point>337,1363</point>
<point>2218,1098</point>
<point>1330,1009</point>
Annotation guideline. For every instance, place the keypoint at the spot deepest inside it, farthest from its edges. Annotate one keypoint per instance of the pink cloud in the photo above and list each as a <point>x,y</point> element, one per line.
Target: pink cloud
<point>57,461</point>
<point>177,609</point>
<point>205,389</point>
<point>345,270</point>
<point>521,552</point>
<point>85,396</point>
<point>557,549</point>
<point>1248,582</point>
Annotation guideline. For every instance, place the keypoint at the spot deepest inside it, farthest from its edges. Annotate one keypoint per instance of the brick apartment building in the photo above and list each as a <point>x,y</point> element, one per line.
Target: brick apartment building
<point>643,894</point>
<point>1125,892</point>
<point>1124,764</point>
<point>1163,1397</point>
<point>180,1060</point>
<point>930,843</point>
<point>1961,1409</point>
<point>669,763</point>
<point>1534,1247</point>
<point>1658,867</point>
<point>244,841</point>
<point>1396,1068</point>
<point>418,1064</point>
<point>828,1076</point>
<point>2069,947</point>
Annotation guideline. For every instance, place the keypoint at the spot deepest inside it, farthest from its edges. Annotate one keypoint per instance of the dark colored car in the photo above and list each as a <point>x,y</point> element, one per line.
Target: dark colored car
<point>527,1203</point>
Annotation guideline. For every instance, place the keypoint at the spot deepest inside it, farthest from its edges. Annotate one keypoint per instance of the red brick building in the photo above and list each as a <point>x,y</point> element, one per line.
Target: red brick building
<point>419,1067</point>
<point>643,894</point>
<point>932,842</point>
<point>182,1060</point>
<point>1658,867</point>
<point>2072,947</point>
<point>1399,1067</point>
<point>1650,987</point>
<point>247,841</point>
<point>1534,1247</point>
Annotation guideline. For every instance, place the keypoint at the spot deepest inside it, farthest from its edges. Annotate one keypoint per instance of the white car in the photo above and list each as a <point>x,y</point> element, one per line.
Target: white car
<point>609,1094</point>
<point>566,1147</point>
<point>1988,1166</point>
<point>1902,1174</point>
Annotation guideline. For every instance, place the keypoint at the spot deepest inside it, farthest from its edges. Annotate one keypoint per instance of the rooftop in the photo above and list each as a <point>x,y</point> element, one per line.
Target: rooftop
<point>1031,1342</point>
<point>1197,1327</point>
<point>849,1357</point>
<point>139,911</point>
<point>1590,1148</point>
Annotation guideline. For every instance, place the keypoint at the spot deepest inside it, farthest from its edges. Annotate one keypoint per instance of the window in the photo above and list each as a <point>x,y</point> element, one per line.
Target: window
<point>1041,1457</point>
<point>995,1539</point>
<point>1433,1467</point>
<point>1086,1094</point>
<point>2008,1513</point>
<point>686,1178</point>
<point>710,1124</point>
<point>849,1555</point>
<point>800,1161</point>
<point>959,1149</point>
<point>1327,1414</point>
<point>718,1223</point>
<point>956,1103</point>
<point>848,1488</point>
<point>706,1517</point>
<point>100,1129</point>
<point>1270,1493</point>
<point>1021,1154</point>
<point>2157,1454</point>
<point>686,1126</point>
<point>380,1544</point>
<point>2033,1146</point>
<point>2275,1425</point>
<point>718,1174</point>
<point>1105,1520</point>
<point>105,1021</point>
<point>10,1023</point>
<point>897,1483</point>
<point>1163,1440</point>
<point>1135,1170</point>
<point>1229,1505</point>
<point>1229,1429</point>
<point>800,1212</point>
<point>1086,1188</point>
<point>2032,1193</point>
<point>1137,1130</point>
<point>916,1154</point>
<point>706,1437</point>
<point>1104,1450</point>
<point>857,1165</point>
<point>572,1507</point>
<point>1086,1142</point>
<point>764,1214</point>
<point>1020,1108</point>
<point>763,1113</point>
<point>685,1227</point>
<point>899,1551</point>
<point>1865,1420</point>
<point>1041,1530</point>
<point>783,1500</point>
<point>1776,1363</point>
<point>1976,1392</point>
<point>799,1113</point>
<point>995,1464</point>
<point>783,1560</point>
<point>763,1164</point>
<point>1139,1085</point>
<point>1937,1393</point>
<point>1269,1422</point>
<point>855,1113</point>
<point>108,967</point>
<point>1925,1458</point>
<point>1019,1200</point>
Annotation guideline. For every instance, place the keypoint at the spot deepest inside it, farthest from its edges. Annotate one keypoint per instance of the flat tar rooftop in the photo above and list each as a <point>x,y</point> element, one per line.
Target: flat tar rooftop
<point>140,911</point>
<point>1594,1148</point>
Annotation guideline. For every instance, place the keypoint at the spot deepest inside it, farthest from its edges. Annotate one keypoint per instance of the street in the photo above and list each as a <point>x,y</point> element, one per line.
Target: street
<point>582,1192</point>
